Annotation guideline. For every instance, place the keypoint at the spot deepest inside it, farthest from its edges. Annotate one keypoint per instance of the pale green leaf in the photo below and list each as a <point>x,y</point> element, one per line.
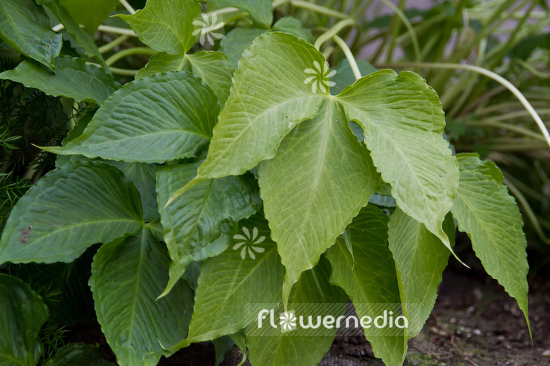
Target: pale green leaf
<point>268,98</point>
<point>250,271</point>
<point>22,314</point>
<point>24,26</point>
<point>69,209</point>
<point>490,216</point>
<point>320,168</point>
<point>127,277</point>
<point>304,350</point>
<point>199,223</point>
<point>420,258</point>
<point>78,354</point>
<point>73,78</point>
<point>166,25</point>
<point>162,117</point>
<point>260,10</point>
<point>80,35</point>
<point>89,14</point>
<point>370,278</point>
<point>403,124</point>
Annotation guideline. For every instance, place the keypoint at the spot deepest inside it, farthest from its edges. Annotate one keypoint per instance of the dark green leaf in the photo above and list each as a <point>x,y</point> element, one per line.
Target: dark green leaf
<point>158,118</point>
<point>81,36</point>
<point>25,27</point>
<point>22,314</point>
<point>73,78</point>
<point>127,277</point>
<point>69,209</point>
<point>78,354</point>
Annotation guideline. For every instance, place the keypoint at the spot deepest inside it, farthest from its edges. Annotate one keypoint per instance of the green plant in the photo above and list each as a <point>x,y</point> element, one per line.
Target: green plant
<point>270,182</point>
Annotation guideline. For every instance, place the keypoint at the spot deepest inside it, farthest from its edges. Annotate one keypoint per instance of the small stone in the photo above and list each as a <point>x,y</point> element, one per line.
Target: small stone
<point>546,353</point>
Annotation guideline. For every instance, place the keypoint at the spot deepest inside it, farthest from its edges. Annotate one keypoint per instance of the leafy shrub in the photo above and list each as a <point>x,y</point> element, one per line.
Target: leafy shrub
<point>212,189</point>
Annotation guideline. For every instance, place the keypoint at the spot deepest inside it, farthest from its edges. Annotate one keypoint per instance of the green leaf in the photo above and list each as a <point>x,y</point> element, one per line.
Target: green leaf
<point>268,98</point>
<point>22,314</point>
<point>144,177</point>
<point>127,276</point>
<point>420,259</point>
<point>239,39</point>
<point>25,27</point>
<point>294,26</point>
<point>90,15</point>
<point>215,70</point>
<point>320,168</point>
<point>292,349</point>
<point>490,216</point>
<point>250,271</point>
<point>80,36</point>
<point>166,26</point>
<point>212,67</point>
<point>403,124</point>
<point>199,224</point>
<point>78,354</point>
<point>162,117</point>
<point>69,209</point>
<point>260,10</point>
<point>73,79</point>
<point>370,279</point>
<point>222,346</point>
<point>162,62</point>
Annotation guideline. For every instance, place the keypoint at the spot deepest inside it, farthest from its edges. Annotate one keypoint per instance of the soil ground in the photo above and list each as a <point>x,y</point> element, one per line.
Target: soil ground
<point>474,323</point>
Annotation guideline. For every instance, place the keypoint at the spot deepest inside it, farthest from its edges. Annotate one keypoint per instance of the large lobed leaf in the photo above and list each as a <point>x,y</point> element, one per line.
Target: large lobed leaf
<point>312,189</point>
<point>200,223</point>
<point>403,124</point>
<point>69,209</point>
<point>22,314</point>
<point>162,117</point>
<point>24,26</point>
<point>166,25</point>
<point>73,78</point>
<point>127,277</point>
<point>490,216</point>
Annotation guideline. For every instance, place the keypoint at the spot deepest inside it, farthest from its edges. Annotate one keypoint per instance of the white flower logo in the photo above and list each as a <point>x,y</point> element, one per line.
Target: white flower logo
<point>248,243</point>
<point>206,27</point>
<point>287,321</point>
<point>320,78</point>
